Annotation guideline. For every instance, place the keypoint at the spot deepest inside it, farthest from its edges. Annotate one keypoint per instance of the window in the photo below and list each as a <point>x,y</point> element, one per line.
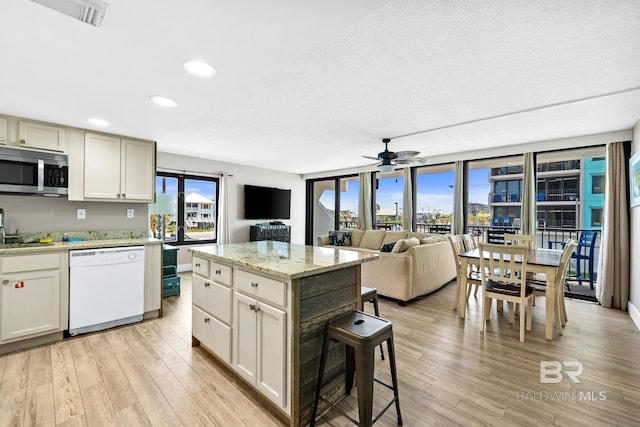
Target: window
<point>597,184</point>
<point>389,190</point>
<point>185,208</point>
<point>596,217</point>
<point>434,198</point>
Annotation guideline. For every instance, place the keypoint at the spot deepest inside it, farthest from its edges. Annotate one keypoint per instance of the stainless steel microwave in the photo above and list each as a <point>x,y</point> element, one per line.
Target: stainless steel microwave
<point>33,172</point>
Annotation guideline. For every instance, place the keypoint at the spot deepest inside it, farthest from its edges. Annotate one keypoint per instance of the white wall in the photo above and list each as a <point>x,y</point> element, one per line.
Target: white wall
<point>239,176</point>
<point>634,295</point>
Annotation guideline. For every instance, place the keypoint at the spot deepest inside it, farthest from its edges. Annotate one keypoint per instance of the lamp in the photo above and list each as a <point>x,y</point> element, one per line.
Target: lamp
<point>386,166</point>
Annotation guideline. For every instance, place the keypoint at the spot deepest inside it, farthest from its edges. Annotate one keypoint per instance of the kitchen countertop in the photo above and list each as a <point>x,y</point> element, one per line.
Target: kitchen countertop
<point>283,259</point>
<point>85,244</point>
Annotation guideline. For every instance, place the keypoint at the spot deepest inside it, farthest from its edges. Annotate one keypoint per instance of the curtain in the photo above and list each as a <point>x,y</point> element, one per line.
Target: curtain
<point>457,226</point>
<point>528,221</point>
<point>364,202</point>
<point>407,203</point>
<point>613,266</point>
<point>223,211</point>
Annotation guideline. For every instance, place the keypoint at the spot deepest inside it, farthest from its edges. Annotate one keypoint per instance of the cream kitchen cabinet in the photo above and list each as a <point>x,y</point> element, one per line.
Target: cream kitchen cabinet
<point>41,136</point>
<point>34,295</point>
<point>212,306</point>
<point>260,333</point>
<point>118,169</point>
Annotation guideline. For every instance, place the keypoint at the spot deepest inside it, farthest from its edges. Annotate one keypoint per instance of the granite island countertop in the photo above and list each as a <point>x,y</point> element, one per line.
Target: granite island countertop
<point>283,259</point>
<point>85,244</point>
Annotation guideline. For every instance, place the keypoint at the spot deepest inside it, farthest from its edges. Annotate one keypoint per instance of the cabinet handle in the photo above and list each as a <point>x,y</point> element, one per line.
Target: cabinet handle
<point>218,272</point>
<point>207,284</point>
<point>197,264</point>
<point>124,196</point>
<point>5,282</point>
<point>22,141</point>
<point>206,320</point>
<point>254,307</point>
<point>254,284</point>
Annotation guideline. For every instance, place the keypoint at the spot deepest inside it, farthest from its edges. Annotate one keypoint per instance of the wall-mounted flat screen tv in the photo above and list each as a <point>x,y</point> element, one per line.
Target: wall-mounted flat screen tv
<point>266,203</point>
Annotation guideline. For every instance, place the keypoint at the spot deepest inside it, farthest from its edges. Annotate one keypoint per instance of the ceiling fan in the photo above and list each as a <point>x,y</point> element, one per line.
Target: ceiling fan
<point>390,159</point>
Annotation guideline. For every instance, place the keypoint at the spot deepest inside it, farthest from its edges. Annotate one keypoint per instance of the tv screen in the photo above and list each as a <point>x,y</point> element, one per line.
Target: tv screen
<point>266,203</point>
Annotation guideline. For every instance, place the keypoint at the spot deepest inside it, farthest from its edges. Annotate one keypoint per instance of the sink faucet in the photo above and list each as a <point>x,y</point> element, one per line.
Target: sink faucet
<point>3,232</point>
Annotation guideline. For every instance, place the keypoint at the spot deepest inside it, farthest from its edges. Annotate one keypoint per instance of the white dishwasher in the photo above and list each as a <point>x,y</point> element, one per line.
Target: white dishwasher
<point>106,288</point>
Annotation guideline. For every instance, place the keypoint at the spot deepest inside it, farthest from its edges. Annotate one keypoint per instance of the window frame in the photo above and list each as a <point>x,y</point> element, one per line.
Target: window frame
<point>181,204</point>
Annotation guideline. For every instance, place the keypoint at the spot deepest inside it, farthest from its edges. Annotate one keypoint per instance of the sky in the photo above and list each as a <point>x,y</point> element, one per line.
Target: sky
<point>434,192</point>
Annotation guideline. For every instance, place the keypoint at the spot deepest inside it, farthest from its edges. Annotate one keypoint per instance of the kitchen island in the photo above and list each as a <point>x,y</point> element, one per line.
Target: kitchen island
<point>261,307</point>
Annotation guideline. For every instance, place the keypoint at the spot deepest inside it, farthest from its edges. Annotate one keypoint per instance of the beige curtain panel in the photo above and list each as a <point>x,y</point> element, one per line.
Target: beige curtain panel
<point>364,202</point>
<point>613,265</point>
<point>407,205</point>
<point>528,217</point>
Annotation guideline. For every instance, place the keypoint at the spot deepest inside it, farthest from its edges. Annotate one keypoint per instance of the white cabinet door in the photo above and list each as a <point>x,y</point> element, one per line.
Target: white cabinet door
<point>245,339</point>
<point>42,136</point>
<point>30,303</point>
<point>260,346</point>
<point>137,170</point>
<point>101,167</point>
<point>272,353</point>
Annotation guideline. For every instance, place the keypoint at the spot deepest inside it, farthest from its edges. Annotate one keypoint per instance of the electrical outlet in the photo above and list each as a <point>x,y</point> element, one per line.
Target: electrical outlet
<point>81,213</point>
<point>129,213</point>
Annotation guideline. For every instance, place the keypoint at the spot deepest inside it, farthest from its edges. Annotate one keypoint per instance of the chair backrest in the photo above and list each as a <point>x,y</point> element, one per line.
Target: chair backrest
<point>587,240</point>
<point>501,262</point>
<point>497,220</point>
<point>506,220</point>
<point>569,247</point>
<point>470,242</point>
<point>528,240</point>
<point>457,246</point>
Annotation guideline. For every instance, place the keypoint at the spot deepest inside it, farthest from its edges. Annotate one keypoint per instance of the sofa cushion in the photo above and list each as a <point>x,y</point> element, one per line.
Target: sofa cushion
<point>394,236</point>
<point>416,234</point>
<point>387,247</point>
<point>340,238</point>
<point>428,240</point>
<point>356,236</point>
<point>404,244</point>
<point>372,239</point>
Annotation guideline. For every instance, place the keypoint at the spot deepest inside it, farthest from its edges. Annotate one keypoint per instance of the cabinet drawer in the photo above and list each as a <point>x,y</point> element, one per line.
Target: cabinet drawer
<point>214,335</point>
<point>200,266</point>
<point>220,273</point>
<point>47,261</point>
<point>261,287</point>
<point>212,298</point>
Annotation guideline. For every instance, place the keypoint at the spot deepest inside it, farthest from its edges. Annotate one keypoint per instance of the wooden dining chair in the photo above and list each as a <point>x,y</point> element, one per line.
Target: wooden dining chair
<point>498,265</point>
<point>528,240</point>
<point>466,279</point>
<point>540,287</point>
<point>471,243</point>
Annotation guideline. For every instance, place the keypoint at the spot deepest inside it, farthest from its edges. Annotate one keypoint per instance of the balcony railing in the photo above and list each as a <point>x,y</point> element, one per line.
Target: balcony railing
<point>559,166</point>
<point>558,195</point>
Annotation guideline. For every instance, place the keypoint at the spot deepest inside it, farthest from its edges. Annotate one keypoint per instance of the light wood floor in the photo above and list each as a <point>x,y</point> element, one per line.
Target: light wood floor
<point>449,373</point>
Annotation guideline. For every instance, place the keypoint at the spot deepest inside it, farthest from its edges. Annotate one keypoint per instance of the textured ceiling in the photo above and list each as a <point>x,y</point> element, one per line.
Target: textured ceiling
<point>306,86</point>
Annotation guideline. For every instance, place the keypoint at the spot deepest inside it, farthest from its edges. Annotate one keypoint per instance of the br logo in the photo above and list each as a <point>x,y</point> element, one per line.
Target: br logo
<point>551,371</point>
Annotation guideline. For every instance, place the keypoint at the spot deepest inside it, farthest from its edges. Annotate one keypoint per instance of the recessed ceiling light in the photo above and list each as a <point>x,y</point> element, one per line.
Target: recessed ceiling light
<point>98,122</point>
<point>199,68</point>
<point>163,101</point>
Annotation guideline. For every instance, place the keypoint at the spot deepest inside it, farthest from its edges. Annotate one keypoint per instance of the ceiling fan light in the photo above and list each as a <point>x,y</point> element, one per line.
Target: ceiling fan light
<point>386,168</point>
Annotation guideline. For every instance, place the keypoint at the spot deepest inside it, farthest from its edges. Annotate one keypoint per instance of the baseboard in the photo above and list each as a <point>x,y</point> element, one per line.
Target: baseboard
<point>184,267</point>
<point>634,313</point>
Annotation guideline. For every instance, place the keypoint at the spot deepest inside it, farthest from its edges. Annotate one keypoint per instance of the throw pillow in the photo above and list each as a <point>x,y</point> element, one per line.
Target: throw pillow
<point>332,238</point>
<point>387,247</point>
<point>394,236</point>
<point>342,238</point>
<point>404,244</point>
<point>372,239</point>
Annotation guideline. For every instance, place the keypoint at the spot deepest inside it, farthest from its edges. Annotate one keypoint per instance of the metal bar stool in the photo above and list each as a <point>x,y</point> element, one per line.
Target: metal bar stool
<point>369,294</point>
<point>362,333</point>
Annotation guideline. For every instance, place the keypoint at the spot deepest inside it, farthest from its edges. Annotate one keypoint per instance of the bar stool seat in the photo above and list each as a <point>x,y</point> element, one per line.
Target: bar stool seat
<point>369,294</point>
<point>362,333</point>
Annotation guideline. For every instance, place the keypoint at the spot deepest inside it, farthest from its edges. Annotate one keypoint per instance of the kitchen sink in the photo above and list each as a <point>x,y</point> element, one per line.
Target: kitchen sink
<point>23,245</point>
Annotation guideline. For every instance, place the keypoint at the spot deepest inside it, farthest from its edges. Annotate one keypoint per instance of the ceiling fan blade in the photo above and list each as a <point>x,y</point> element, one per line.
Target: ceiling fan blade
<point>412,161</point>
<point>403,155</point>
<point>372,158</point>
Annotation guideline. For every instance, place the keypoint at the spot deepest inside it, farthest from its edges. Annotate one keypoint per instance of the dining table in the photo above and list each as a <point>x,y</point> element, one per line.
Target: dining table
<point>546,261</point>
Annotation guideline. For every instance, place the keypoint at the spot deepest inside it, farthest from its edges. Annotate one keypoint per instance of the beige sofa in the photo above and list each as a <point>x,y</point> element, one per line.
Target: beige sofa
<point>419,263</point>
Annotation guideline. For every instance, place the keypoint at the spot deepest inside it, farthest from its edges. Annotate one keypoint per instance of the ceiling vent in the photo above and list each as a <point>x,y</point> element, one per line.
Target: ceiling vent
<point>91,12</point>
